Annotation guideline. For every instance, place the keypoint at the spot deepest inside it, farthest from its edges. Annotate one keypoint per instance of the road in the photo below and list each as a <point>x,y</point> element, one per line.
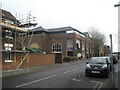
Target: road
<point>67,75</point>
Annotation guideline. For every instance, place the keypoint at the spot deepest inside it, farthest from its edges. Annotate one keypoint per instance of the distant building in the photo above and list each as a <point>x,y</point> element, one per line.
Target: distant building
<point>65,41</point>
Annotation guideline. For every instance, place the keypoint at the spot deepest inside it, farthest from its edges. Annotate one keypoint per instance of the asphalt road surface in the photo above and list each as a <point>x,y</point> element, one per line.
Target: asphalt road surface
<point>117,75</point>
<point>67,75</point>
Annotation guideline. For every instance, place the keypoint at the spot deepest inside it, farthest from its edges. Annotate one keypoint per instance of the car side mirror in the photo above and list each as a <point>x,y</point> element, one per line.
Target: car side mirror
<point>87,62</point>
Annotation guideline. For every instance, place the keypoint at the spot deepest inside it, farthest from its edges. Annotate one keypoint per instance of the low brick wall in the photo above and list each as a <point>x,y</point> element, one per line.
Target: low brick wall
<point>32,60</point>
<point>41,59</point>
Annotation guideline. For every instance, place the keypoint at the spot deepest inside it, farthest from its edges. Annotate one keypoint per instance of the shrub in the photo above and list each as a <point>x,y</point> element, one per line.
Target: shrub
<point>68,58</point>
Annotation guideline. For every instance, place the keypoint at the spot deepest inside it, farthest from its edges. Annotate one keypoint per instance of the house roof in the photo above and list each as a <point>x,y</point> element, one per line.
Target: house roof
<point>28,24</point>
<point>7,15</point>
<point>69,28</point>
<point>87,34</point>
<point>40,28</point>
<point>52,30</point>
<point>60,29</point>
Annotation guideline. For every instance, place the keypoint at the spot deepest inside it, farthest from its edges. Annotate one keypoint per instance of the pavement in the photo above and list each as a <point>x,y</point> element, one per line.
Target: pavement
<point>14,72</point>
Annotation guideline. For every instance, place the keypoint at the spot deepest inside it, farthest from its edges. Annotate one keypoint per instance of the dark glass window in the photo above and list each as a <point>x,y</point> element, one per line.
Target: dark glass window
<point>8,34</point>
<point>56,48</point>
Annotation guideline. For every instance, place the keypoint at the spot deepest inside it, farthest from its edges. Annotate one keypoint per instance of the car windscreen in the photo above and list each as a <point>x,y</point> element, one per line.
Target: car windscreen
<point>98,61</point>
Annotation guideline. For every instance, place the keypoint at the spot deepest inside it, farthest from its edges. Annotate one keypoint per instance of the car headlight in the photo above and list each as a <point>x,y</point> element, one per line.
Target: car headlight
<point>104,66</point>
<point>88,66</point>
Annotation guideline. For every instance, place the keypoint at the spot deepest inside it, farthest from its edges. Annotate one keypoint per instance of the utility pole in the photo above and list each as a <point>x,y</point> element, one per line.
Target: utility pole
<point>0,45</point>
<point>113,79</point>
<point>118,5</point>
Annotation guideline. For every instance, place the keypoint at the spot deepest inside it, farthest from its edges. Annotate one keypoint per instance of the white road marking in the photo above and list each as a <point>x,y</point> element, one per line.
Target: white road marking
<point>75,79</point>
<point>79,75</point>
<point>74,69</point>
<point>83,74</point>
<point>94,81</point>
<point>98,84</point>
<point>103,85</point>
<point>71,70</point>
<point>35,81</point>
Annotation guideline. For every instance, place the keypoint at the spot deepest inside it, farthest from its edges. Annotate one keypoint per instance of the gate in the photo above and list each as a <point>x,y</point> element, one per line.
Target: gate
<point>58,58</point>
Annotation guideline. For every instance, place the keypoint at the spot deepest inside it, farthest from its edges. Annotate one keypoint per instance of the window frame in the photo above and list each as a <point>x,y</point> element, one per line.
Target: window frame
<point>56,48</point>
<point>8,48</point>
<point>8,34</point>
<point>8,57</point>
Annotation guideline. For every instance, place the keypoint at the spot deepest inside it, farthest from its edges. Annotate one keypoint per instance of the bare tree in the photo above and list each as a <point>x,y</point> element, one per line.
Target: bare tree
<point>98,38</point>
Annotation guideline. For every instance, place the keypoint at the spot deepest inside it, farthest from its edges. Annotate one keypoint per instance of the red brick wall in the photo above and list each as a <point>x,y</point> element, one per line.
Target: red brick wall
<point>61,39</point>
<point>41,59</point>
<point>40,39</point>
<point>35,59</point>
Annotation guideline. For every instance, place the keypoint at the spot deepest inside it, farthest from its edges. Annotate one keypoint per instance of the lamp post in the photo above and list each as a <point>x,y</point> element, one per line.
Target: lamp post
<point>117,5</point>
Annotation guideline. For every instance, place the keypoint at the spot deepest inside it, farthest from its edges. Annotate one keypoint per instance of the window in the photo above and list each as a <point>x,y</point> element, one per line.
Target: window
<point>8,34</point>
<point>70,53</point>
<point>9,21</point>
<point>8,46</point>
<point>77,46</point>
<point>70,43</point>
<point>83,47</point>
<point>22,35</point>
<point>87,48</point>
<point>78,43</point>
<point>57,48</point>
<point>70,47</point>
<point>8,57</point>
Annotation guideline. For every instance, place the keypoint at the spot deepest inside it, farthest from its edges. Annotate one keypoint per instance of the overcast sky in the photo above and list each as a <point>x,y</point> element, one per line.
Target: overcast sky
<point>79,14</point>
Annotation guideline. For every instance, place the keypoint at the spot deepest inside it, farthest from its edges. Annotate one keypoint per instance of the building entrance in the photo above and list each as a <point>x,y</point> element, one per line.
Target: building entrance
<point>58,58</point>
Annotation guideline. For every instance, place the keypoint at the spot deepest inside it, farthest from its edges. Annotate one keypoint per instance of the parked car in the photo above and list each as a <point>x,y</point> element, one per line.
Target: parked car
<point>117,54</point>
<point>98,66</point>
<point>109,61</point>
<point>114,58</point>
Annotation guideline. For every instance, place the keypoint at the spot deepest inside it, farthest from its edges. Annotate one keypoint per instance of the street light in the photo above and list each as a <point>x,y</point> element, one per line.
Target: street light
<point>116,5</point>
